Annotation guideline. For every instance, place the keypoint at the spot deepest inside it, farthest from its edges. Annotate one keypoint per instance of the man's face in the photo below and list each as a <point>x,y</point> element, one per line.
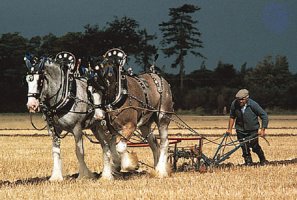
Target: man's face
<point>242,101</point>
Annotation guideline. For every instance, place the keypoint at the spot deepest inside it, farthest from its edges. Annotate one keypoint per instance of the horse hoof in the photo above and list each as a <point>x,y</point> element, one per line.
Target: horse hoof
<point>56,178</point>
<point>163,172</point>
<point>88,175</point>
<point>107,177</point>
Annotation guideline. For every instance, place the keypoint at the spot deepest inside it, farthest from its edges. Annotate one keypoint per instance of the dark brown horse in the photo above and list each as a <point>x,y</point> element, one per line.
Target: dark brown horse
<point>129,102</point>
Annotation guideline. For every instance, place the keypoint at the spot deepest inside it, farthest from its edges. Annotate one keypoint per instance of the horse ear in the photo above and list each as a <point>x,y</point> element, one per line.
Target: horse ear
<point>96,64</point>
<point>83,70</point>
<point>41,63</point>
<point>86,72</point>
<point>27,59</point>
<point>33,63</point>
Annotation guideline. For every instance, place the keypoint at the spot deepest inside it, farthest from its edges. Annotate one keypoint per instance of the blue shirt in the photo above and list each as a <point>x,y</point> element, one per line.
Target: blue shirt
<point>248,121</point>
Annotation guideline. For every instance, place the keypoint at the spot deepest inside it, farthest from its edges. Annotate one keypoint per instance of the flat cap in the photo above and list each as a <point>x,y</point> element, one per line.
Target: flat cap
<point>242,94</point>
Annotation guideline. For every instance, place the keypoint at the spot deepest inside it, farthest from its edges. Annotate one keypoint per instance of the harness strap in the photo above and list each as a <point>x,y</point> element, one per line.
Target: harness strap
<point>159,85</point>
<point>69,89</point>
<point>143,84</point>
<point>122,98</point>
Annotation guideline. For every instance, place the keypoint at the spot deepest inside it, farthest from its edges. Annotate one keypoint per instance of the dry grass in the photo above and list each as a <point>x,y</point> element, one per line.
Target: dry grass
<point>25,158</point>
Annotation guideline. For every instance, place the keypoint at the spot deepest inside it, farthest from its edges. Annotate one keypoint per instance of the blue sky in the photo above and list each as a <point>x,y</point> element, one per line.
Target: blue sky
<point>233,31</point>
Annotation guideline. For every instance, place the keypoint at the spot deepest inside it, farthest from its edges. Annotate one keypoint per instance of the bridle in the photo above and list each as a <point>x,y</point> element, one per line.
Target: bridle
<point>108,73</point>
<point>35,71</point>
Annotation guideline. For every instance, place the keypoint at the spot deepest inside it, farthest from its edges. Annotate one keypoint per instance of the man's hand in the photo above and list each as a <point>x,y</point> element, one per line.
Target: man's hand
<point>229,132</point>
<point>262,132</point>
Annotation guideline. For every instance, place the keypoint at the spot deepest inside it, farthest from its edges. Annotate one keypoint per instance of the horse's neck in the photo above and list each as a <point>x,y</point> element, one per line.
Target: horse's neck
<point>56,80</point>
<point>112,92</point>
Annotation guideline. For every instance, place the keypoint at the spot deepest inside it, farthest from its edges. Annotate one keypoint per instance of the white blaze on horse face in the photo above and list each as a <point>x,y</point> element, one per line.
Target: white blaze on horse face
<point>33,103</point>
<point>97,100</point>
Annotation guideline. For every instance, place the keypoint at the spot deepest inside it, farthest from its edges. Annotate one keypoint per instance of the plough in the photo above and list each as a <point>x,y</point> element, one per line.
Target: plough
<point>195,159</point>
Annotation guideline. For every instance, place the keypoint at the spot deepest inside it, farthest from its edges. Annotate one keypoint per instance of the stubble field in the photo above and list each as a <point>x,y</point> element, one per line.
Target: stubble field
<point>26,164</point>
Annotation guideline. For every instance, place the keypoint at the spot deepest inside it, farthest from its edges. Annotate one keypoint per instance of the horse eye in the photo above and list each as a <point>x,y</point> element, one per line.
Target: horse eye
<point>29,78</point>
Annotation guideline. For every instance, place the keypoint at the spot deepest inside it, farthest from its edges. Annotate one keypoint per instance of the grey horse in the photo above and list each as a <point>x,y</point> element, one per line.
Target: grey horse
<point>64,101</point>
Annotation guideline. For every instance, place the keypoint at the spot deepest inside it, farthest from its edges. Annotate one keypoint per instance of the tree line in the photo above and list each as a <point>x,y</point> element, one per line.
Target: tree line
<point>204,91</point>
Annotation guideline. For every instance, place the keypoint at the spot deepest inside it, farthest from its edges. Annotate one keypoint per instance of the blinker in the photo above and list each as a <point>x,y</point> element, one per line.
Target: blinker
<point>29,78</point>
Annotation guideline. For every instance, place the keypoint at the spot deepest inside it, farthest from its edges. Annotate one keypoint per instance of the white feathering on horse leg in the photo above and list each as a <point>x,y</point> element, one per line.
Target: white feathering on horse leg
<point>121,146</point>
<point>107,168</point>
<point>162,167</point>
<point>129,161</point>
<point>57,168</point>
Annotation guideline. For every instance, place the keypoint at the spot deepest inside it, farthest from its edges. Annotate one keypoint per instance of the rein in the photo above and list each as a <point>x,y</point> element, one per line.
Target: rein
<point>39,129</point>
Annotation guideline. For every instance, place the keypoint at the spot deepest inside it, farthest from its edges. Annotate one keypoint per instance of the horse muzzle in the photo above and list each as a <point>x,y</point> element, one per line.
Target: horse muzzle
<point>33,105</point>
<point>99,114</point>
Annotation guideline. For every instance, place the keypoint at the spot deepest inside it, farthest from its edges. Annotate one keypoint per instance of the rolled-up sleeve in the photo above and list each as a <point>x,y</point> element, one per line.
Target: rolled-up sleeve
<point>232,110</point>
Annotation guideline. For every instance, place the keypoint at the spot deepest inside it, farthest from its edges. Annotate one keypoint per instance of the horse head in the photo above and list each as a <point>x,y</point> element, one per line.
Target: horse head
<point>104,74</point>
<point>35,80</point>
<point>96,86</point>
<point>41,71</point>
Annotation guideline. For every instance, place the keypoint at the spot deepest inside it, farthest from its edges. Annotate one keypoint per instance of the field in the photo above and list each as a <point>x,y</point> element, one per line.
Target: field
<point>26,164</point>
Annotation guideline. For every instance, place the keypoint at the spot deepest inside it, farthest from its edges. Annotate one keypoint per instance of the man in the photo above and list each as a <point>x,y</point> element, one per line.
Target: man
<point>244,112</point>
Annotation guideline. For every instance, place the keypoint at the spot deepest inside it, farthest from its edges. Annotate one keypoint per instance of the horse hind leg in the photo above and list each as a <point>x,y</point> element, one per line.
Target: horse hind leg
<point>162,168</point>
<point>84,172</point>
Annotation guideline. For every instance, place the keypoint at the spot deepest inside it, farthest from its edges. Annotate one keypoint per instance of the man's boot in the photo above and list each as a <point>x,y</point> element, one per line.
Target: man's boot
<point>262,158</point>
<point>248,161</point>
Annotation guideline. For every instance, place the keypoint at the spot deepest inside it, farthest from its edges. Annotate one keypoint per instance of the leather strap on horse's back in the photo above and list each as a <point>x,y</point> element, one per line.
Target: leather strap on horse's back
<point>158,85</point>
<point>144,85</point>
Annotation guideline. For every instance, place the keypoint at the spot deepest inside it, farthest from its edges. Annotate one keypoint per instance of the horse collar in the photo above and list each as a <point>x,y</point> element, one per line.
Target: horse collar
<point>121,99</point>
<point>68,97</point>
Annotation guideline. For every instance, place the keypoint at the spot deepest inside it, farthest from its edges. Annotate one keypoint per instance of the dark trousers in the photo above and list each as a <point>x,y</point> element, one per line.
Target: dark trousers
<point>252,144</point>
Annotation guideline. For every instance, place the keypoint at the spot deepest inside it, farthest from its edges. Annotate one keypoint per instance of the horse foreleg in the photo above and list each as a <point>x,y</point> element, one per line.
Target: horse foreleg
<point>84,172</point>
<point>129,160</point>
<point>57,162</point>
<point>107,156</point>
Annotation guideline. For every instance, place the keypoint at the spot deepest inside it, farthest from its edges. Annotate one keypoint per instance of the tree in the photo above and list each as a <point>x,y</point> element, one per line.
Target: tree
<point>71,42</point>
<point>146,50</point>
<point>48,45</point>
<point>180,36</point>
<point>225,74</point>
<point>123,33</point>
<point>34,45</point>
<point>94,42</point>
<point>269,81</point>
<point>12,50</point>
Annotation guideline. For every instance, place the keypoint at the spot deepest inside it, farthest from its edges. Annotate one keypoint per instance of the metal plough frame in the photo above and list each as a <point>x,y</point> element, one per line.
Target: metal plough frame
<point>196,159</point>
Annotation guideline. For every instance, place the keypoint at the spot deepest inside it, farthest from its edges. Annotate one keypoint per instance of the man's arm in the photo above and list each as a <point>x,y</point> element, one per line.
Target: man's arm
<point>264,118</point>
<point>230,125</point>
